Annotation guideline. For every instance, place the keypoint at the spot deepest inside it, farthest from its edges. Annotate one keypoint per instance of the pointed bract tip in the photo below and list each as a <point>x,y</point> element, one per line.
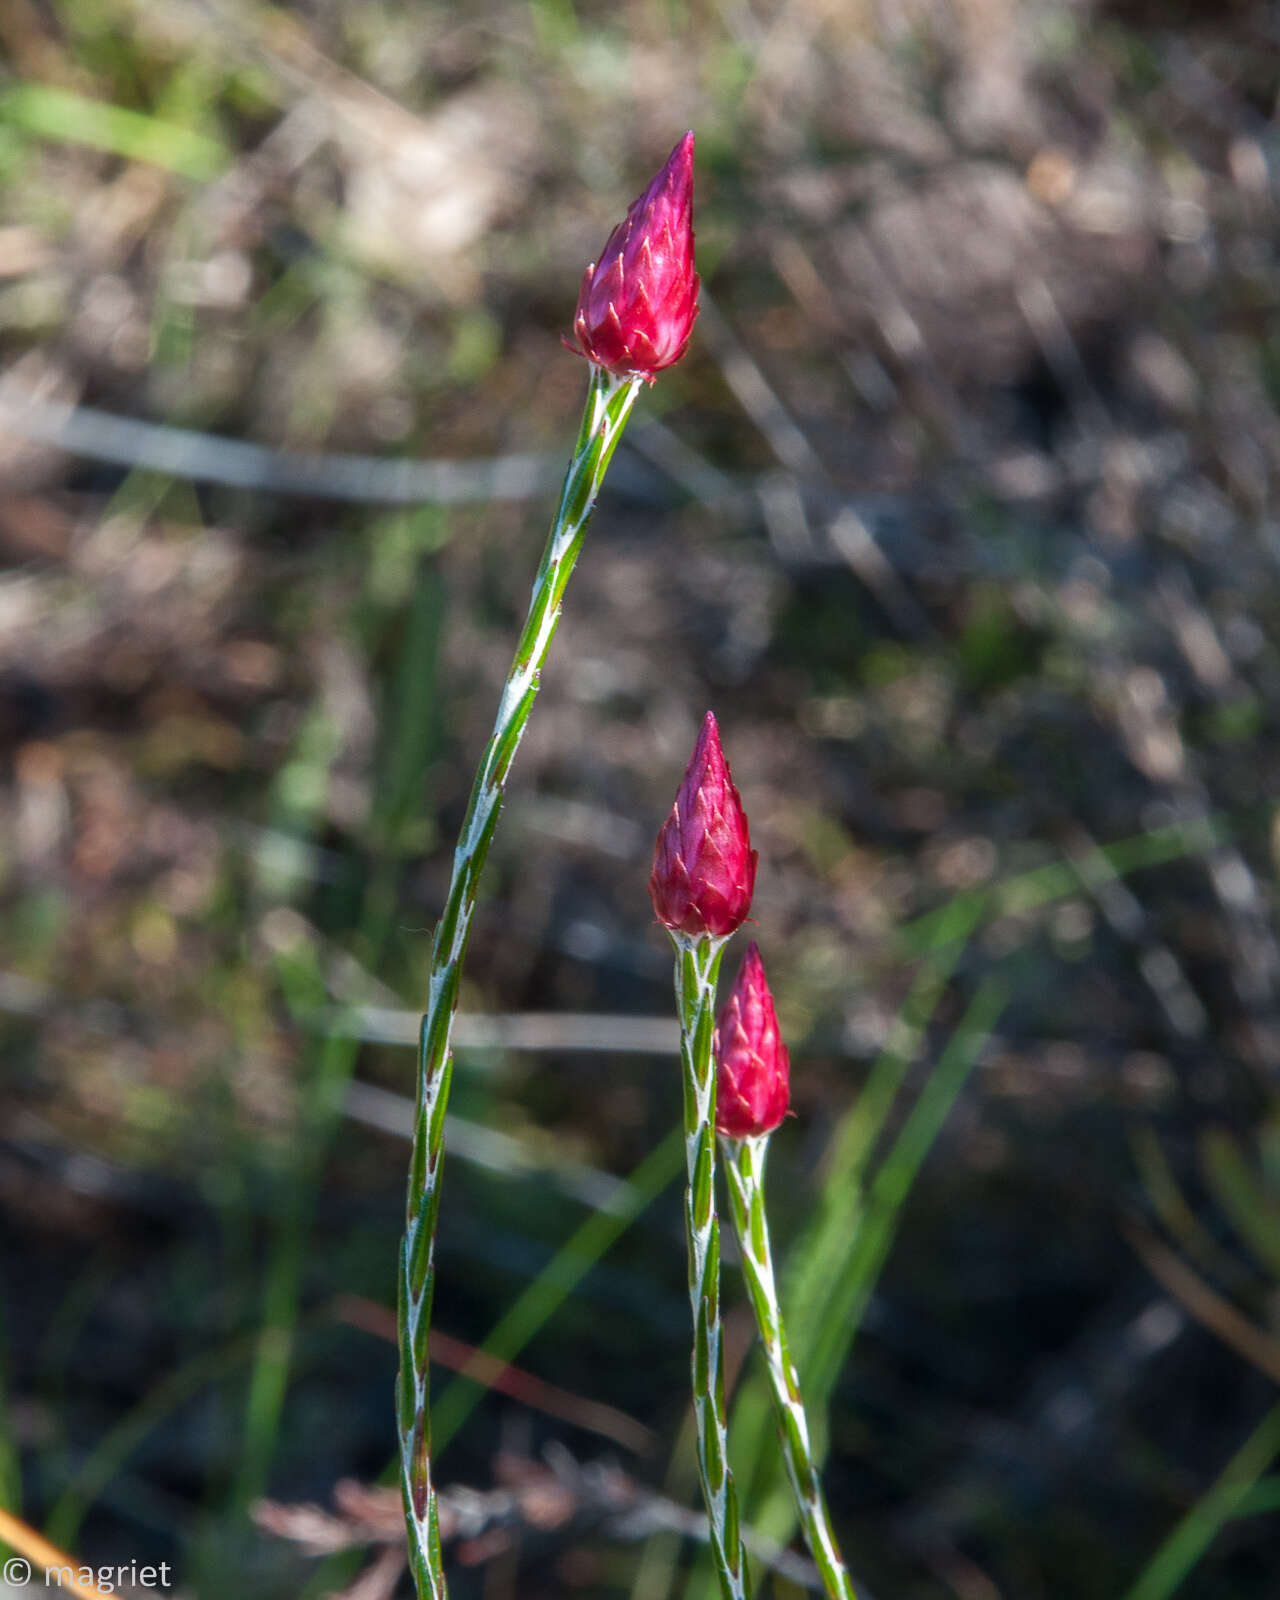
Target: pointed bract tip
<point>751,972</point>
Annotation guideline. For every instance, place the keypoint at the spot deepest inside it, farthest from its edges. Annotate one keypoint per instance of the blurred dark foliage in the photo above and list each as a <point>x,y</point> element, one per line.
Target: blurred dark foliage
<point>960,513</point>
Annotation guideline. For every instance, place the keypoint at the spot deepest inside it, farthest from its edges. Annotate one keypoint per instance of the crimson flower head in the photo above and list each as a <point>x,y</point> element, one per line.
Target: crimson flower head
<point>753,1078</point>
<point>638,301</point>
<point>704,869</point>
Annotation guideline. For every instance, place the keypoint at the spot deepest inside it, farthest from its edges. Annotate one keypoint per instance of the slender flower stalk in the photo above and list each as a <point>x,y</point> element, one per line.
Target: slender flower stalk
<point>744,1171</point>
<point>703,876</point>
<point>609,402</point>
<point>753,1083</point>
<point>697,968</point>
<point>635,313</point>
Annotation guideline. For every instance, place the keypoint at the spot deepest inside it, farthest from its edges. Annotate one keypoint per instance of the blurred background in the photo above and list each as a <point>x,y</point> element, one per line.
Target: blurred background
<point>959,513</point>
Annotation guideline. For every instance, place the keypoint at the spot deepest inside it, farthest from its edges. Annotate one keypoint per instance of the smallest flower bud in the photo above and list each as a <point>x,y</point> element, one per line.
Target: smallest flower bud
<point>753,1081</point>
<point>704,869</point>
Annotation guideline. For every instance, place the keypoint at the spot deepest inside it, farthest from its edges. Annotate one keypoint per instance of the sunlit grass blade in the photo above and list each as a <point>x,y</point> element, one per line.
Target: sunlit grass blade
<point>51,113</point>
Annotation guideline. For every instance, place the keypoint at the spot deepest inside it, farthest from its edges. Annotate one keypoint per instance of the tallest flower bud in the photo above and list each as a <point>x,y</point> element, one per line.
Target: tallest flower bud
<point>638,301</point>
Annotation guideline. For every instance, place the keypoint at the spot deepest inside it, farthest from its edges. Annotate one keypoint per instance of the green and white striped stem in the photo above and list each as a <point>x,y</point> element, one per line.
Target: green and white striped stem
<point>609,402</point>
<point>697,968</point>
<point>744,1170</point>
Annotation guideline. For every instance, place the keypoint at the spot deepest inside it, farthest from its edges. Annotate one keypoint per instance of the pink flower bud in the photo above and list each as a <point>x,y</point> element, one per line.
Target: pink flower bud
<point>638,301</point>
<point>753,1079</point>
<point>704,869</point>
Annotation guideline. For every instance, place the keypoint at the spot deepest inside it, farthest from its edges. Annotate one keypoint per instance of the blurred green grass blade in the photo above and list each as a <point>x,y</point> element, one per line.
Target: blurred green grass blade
<point>555,25</point>
<point>1262,1499</point>
<point>557,1281</point>
<point>409,728</point>
<point>326,1075</point>
<point>825,1251</point>
<point>58,1345</point>
<point>1185,1546</point>
<point>862,1125</point>
<point>104,1463</point>
<point>1269,1149</point>
<point>330,1062</point>
<point>10,1461</point>
<point>1166,1198</point>
<point>1245,1201</point>
<point>1056,880</point>
<point>51,113</point>
<point>655,1573</point>
<point>890,1188</point>
<point>302,987</point>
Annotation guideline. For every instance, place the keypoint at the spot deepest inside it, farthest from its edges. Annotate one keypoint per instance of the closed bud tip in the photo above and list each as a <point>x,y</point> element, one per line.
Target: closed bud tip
<point>637,304</point>
<point>704,869</point>
<point>753,1066</point>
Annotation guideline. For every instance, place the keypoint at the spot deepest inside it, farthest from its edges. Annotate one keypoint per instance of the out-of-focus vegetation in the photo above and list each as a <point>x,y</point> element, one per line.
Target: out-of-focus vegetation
<point>961,514</point>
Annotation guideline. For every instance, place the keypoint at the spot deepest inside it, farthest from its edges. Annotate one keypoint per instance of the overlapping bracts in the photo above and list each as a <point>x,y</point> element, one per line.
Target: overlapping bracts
<point>753,1085</point>
<point>638,302</point>
<point>704,869</point>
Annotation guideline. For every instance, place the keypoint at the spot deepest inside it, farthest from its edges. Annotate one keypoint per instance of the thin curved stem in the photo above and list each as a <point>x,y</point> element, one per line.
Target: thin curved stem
<point>744,1170</point>
<point>697,968</point>
<point>609,402</point>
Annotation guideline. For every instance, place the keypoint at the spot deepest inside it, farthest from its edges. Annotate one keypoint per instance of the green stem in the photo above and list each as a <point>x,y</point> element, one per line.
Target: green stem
<point>744,1168</point>
<point>697,968</point>
<point>609,402</point>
